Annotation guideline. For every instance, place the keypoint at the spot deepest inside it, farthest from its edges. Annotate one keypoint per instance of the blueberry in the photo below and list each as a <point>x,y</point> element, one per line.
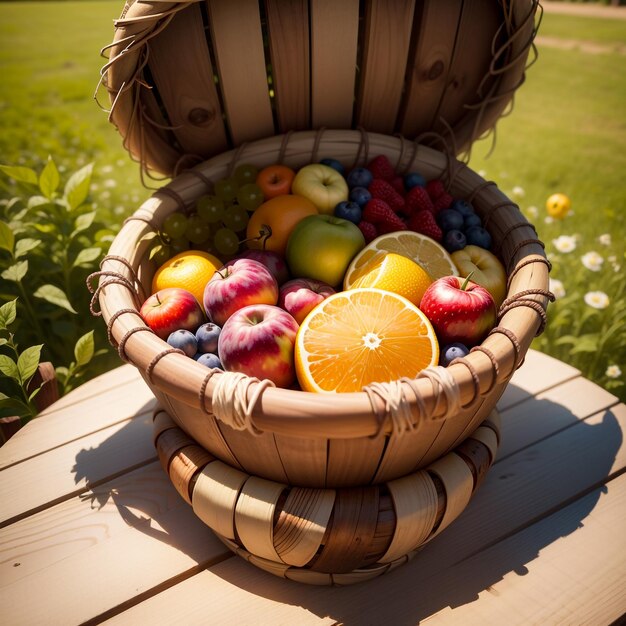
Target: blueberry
<point>449,219</point>
<point>336,165</point>
<point>452,351</point>
<point>463,207</point>
<point>183,340</point>
<point>471,220</point>
<point>209,360</point>
<point>478,236</point>
<point>350,211</point>
<point>454,240</point>
<point>207,336</point>
<point>413,179</point>
<point>359,177</point>
<point>360,195</point>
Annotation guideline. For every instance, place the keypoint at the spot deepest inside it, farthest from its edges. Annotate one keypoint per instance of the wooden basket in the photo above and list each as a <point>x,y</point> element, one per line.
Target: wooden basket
<point>328,440</point>
<point>190,79</point>
<point>325,536</point>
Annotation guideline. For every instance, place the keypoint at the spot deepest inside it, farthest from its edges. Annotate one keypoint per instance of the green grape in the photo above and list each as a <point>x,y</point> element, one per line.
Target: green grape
<point>250,196</point>
<point>210,209</point>
<point>174,225</point>
<point>226,189</point>
<point>236,218</point>
<point>226,242</point>
<point>160,253</point>
<point>180,244</point>
<point>198,231</point>
<point>245,173</point>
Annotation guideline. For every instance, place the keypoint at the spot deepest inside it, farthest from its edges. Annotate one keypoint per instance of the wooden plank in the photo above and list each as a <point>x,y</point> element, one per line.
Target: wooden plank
<point>119,540</point>
<point>183,74</point>
<point>388,27</point>
<point>557,571</point>
<point>240,58</point>
<point>288,28</point>
<point>112,401</point>
<point>334,39</point>
<point>70,469</point>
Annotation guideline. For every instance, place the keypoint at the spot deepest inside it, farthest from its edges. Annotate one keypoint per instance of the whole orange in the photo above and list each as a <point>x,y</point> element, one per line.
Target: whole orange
<point>190,270</point>
<point>271,224</point>
<point>275,180</point>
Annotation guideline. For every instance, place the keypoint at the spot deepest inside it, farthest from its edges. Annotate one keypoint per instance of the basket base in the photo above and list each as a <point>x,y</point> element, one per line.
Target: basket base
<point>325,536</point>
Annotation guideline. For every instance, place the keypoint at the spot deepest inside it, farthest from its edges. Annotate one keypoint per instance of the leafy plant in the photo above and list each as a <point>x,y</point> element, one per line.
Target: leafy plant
<point>50,241</point>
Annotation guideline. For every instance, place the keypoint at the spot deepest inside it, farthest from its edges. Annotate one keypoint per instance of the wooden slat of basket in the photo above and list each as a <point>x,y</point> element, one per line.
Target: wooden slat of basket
<point>254,516</point>
<point>288,26</point>
<point>388,28</point>
<point>415,503</point>
<point>293,449</point>
<point>353,461</point>
<point>488,437</point>
<point>181,67</point>
<point>302,523</point>
<point>334,37</point>
<point>472,54</point>
<point>240,58</point>
<point>432,54</point>
<point>215,495</point>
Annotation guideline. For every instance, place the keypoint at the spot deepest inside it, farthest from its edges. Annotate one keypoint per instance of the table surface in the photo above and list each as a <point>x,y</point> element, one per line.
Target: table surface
<point>91,529</point>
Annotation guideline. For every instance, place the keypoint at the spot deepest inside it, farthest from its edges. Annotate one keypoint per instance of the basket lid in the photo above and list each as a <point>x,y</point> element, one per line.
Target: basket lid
<point>188,80</point>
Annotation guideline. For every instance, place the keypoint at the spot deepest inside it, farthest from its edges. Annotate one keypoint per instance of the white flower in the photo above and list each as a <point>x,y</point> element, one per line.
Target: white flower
<point>110,182</point>
<point>548,219</point>
<point>106,169</point>
<point>613,371</point>
<point>597,299</point>
<point>518,192</point>
<point>556,287</point>
<point>592,261</point>
<point>605,239</point>
<point>532,211</point>
<point>482,173</point>
<point>564,243</point>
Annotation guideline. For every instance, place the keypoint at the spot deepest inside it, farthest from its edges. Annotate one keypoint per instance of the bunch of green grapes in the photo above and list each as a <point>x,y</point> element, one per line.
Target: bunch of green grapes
<point>218,221</point>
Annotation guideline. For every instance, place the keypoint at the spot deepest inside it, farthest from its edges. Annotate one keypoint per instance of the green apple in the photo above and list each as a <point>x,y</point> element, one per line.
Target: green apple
<point>485,268</point>
<point>322,246</point>
<point>324,186</point>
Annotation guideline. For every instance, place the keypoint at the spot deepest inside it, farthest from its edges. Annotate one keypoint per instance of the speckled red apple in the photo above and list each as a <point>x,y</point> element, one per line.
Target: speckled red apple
<point>171,309</point>
<point>300,295</point>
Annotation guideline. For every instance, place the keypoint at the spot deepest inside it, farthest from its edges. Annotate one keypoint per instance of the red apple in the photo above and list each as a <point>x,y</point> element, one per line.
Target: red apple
<point>239,283</point>
<point>459,310</point>
<point>300,295</point>
<point>258,340</point>
<point>274,262</point>
<point>172,309</point>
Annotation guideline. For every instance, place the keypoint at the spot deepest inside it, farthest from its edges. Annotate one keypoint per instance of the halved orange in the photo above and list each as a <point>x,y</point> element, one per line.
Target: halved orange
<point>422,249</point>
<point>357,337</point>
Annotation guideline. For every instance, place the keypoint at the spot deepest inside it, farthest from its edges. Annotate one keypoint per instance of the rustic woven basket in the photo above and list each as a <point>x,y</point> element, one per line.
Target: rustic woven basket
<point>325,536</point>
<point>188,80</point>
<point>328,440</point>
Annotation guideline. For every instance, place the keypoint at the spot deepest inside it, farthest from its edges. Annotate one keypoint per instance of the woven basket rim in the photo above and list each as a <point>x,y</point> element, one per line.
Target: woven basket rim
<point>301,413</point>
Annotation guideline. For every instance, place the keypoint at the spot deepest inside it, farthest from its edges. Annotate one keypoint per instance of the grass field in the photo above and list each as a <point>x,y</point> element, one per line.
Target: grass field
<point>566,133</point>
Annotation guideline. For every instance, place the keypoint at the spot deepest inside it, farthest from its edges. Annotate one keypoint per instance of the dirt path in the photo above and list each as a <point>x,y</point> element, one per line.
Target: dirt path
<point>588,10</point>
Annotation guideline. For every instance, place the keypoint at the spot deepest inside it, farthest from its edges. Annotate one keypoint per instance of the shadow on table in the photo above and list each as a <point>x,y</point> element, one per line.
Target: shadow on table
<point>485,544</point>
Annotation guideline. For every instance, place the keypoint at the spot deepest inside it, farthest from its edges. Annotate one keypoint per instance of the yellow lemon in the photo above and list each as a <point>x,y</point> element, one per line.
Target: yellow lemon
<point>558,205</point>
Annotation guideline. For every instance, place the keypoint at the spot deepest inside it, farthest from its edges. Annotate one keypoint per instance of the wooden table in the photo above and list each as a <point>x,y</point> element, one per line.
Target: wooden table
<point>93,531</point>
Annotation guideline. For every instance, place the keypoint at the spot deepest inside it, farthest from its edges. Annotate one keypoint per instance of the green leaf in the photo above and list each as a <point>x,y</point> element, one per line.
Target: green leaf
<point>86,257</point>
<point>84,349</point>
<point>44,228</point>
<point>7,239</point>
<point>28,362</point>
<point>9,367</point>
<point>49,179</point>
<point>16,272</point>
<point>83,222</point>
<point>24,246</point>
<point>55,296</point>
<point>15,405</point>
<point>35,201</point>
<point>77,187</point>
<point>21,174</point>
<point>8,313</point>
<point>586,343</point>
<point>3,341</point>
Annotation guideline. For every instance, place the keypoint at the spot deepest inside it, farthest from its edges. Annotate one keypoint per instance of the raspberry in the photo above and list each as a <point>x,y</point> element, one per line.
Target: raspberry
<point>417,199</point>
<point>369,230</point>
<point>385,228</point>
<point>397,182</point>
<point>381,168</point>
<point>424,222</point>
<point>379,213</point>
<point>435,188</point>
<point>442,202</point>
<point>382,190</point>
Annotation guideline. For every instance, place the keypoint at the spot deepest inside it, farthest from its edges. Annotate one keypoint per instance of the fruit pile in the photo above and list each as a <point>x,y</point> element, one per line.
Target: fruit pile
<point>325,280</point>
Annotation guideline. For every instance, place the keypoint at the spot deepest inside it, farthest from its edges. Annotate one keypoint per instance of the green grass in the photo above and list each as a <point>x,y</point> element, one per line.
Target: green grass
<point>567,132</point>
